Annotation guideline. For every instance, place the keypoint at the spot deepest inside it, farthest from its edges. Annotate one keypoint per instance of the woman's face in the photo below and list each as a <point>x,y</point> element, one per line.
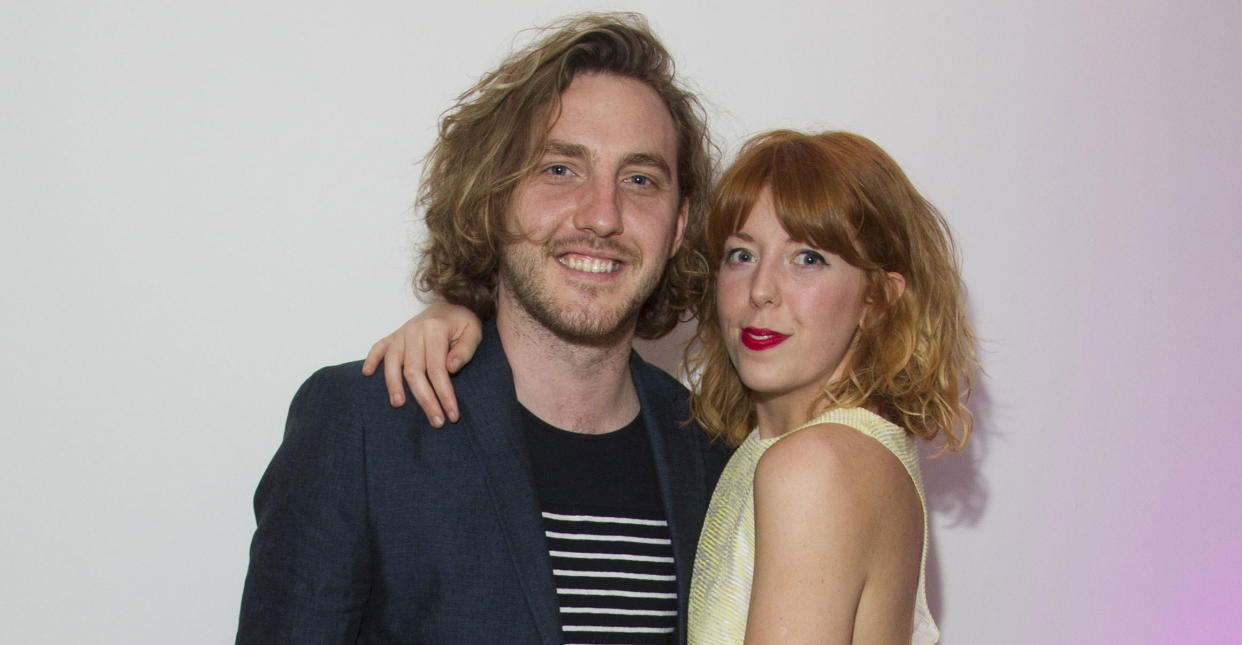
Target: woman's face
<point>788,311</point>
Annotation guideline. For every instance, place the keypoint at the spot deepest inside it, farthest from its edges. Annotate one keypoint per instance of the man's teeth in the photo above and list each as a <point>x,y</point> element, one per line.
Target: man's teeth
<point>589,265</point>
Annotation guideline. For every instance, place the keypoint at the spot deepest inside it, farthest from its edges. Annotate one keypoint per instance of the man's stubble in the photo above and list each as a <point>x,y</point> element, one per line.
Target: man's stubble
<point>581,313</point>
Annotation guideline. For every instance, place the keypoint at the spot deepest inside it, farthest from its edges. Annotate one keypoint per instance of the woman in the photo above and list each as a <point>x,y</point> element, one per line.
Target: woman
<point>837,336</point>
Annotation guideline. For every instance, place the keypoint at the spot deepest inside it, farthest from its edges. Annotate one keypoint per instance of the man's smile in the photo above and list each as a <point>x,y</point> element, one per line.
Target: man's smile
<point>588,264</point>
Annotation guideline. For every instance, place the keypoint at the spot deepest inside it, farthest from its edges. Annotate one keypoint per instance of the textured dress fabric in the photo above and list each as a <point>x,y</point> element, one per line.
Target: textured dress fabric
<point>725,562</point>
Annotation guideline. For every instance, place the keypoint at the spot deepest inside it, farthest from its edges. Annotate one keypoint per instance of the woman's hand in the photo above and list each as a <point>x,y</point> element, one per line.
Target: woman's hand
<point>426,349</point>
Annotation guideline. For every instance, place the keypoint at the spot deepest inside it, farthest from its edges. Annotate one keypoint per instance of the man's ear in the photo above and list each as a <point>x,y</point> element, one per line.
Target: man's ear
<point>683,215</point>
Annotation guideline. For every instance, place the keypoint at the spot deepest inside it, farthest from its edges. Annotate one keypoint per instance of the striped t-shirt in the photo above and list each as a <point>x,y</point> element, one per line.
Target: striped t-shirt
<point>611,553</point>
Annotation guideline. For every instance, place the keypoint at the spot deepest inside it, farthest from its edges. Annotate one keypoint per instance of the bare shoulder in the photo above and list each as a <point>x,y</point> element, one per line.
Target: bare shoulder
<point>838,537</point>
<point>835,469</point>
<point>832,451</point>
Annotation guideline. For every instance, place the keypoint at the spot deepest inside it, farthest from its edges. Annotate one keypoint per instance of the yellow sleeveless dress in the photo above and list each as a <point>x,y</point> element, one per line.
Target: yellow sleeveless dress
<point>720,588</point>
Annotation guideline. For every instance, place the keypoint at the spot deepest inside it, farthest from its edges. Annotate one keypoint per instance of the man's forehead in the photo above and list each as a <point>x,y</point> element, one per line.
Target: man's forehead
<point>620,115</point>
<point>569,150</point>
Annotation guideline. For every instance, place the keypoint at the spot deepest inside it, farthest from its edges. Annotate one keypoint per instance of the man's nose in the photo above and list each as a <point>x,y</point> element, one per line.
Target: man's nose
<point>600,212</point>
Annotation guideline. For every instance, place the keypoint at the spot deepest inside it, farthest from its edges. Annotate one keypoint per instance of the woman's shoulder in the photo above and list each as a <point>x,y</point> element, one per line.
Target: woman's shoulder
<point>825,449</point>
<point>832,465</point>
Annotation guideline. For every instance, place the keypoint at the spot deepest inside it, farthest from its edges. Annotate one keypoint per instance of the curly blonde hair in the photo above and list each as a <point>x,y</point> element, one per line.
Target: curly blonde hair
<point>493,136</point>
<point>914,357</point>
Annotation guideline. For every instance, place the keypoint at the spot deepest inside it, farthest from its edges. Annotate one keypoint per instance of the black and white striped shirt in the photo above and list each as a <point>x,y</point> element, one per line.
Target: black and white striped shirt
<point>611,553</point>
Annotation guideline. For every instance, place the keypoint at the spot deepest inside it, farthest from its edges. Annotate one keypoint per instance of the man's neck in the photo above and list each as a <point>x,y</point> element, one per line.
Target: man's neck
<point>578,387</point>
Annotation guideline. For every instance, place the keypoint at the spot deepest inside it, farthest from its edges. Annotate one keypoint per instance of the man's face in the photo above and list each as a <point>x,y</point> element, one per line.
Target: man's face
<point>600,216</point>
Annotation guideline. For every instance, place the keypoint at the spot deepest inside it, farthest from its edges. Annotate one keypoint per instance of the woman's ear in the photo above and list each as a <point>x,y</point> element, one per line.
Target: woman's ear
<point>894,286</point>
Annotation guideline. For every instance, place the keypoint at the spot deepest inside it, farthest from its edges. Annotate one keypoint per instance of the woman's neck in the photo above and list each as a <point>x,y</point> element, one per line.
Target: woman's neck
<point>780,413</point>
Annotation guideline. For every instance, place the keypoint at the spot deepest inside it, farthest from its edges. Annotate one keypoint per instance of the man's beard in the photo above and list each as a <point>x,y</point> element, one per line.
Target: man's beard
<point>575,317</point>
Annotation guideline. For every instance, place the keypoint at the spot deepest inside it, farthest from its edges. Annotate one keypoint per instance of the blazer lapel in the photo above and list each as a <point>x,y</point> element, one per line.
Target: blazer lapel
<point>492,421</point>
<point>681,472</point>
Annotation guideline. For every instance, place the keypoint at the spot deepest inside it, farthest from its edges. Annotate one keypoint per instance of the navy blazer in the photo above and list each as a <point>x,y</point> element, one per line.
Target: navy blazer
<point>374,527</point>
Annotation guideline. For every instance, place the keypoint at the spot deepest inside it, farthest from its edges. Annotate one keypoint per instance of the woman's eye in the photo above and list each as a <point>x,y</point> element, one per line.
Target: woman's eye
<point>808,258</point>
<point>738,255</point>
<point>558,169</point>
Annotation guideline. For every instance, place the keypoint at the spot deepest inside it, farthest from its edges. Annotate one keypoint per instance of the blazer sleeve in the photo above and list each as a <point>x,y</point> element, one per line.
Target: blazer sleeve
<point>310,564</point>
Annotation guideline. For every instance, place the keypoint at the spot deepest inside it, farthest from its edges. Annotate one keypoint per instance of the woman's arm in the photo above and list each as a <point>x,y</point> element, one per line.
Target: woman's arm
<point>838,541</point>
<point>426,349</point>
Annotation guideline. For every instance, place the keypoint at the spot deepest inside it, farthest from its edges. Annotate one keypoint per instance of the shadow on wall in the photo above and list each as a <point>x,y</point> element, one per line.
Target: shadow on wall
<point>955,488</point>
<point>666,353</point>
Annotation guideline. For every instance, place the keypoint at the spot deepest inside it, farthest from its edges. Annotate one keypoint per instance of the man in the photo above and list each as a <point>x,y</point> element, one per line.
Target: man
<point>565,504</point>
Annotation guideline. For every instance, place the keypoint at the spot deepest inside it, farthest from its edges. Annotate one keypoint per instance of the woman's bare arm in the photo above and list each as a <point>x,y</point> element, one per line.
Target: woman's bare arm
<point>425,350</point>
<point>838,541</point>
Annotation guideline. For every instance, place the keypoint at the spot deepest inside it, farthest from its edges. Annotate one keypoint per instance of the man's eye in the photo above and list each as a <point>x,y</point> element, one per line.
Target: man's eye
<point>641,180</point>
<point>558,169</point>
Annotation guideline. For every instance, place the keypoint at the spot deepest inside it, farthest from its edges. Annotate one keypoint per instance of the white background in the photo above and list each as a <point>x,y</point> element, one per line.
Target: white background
<point>203,202</point>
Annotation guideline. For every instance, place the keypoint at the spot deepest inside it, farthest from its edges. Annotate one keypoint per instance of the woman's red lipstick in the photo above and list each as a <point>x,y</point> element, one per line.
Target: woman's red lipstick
<point>756,339</point>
